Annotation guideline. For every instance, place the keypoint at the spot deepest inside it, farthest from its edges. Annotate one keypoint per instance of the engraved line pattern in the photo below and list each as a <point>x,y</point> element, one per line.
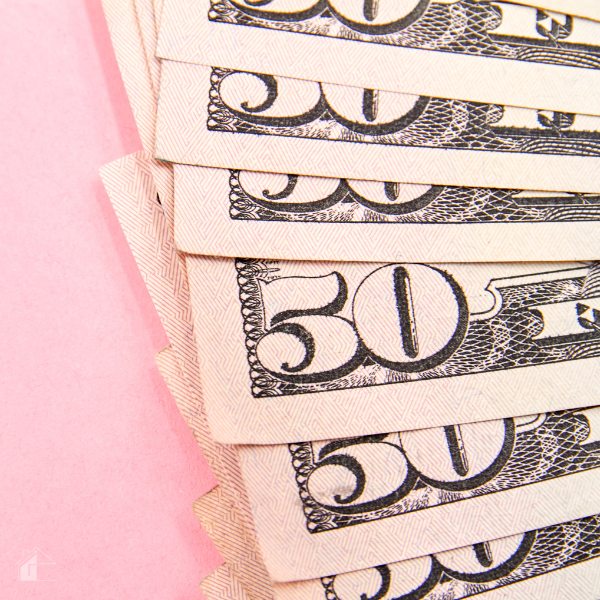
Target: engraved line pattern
<point>555,448</point>
<point>465,27</point>
<point>542,551</point>
<point>431,123</point>
<point>451,205</point>
<point>501,342</point>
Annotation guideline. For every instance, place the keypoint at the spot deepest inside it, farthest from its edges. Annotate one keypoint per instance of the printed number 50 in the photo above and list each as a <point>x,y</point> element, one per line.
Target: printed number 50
<point>406,317</point>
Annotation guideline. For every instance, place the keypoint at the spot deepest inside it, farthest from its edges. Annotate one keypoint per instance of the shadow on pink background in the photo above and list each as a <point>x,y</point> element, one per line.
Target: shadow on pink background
<point>99,471</point>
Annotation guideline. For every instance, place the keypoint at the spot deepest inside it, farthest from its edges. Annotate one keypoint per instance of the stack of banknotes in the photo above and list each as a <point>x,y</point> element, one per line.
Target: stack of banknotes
<point>371,230</point>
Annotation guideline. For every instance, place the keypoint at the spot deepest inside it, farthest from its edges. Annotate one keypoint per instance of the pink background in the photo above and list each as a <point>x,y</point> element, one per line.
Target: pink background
<point>99,470</point>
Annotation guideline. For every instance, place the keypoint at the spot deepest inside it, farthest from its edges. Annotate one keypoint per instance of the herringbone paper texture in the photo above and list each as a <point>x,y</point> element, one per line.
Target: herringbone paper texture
<point>415,427</point>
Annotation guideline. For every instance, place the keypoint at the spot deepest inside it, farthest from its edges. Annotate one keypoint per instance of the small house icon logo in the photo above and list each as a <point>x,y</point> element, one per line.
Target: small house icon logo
<point>28,566</point>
